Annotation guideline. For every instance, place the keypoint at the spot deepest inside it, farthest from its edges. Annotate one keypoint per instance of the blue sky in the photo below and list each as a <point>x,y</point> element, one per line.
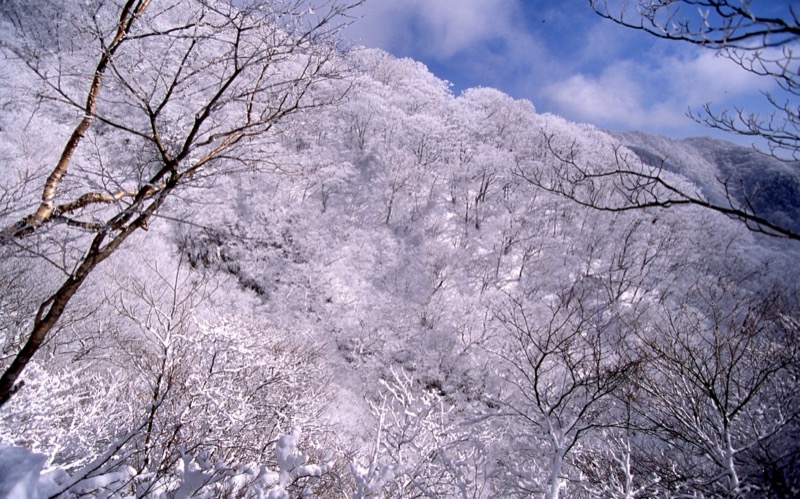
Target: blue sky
<point>564,58</point>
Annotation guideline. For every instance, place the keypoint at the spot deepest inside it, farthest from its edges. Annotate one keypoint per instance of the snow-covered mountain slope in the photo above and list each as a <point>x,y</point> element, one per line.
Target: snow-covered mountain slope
<point>771,186</point>
<point>375,297</point>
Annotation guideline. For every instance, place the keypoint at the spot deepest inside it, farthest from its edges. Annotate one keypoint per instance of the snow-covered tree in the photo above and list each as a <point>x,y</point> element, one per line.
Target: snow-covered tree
<point>157,95</point>
<point>188,379</point>
<point>719,391</point>
<point>565,359</point>
<point>421,448</point>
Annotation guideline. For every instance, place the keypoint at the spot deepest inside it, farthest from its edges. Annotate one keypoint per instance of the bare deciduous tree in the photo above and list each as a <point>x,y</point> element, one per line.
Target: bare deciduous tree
<point>162,94</point>
<point>563,370</point>
<point>719,390</point>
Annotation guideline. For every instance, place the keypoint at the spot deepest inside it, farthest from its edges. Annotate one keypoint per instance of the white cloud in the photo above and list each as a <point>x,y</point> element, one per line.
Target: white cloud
<point>436,28</point>
<point>616,97</point>
<point>457,26</point>
<point>709,77</point>
<point>637,94</point>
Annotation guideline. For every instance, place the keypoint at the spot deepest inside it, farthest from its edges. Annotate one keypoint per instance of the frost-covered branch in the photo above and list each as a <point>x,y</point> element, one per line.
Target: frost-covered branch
<point>198,84</point>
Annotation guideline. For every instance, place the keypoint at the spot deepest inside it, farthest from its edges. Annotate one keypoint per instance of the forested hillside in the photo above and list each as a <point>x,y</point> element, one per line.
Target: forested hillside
<point>286,268</point>
<point>726,172</point>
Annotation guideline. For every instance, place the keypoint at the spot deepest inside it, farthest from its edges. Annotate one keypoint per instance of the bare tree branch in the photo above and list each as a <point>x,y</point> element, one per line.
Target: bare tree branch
<point>629,185</point>
<point>194,88</point>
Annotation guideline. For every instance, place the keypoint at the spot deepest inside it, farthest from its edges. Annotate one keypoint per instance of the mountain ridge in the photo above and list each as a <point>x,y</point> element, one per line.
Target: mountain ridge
<point>771,186</point>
